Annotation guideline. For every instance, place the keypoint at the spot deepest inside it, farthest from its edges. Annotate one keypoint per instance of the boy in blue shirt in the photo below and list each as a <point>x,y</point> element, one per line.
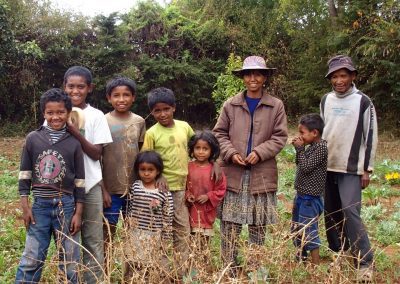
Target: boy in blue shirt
<point>52,169</point>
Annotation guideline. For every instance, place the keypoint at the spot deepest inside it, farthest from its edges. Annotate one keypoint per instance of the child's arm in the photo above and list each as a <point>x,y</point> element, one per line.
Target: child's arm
<point>26,212</point>
<point>314,160</point>
<point>76,221</point>
<point>217,194</point>
<point>25,182</point>
<point>94,151</point>
<point>106,196</point>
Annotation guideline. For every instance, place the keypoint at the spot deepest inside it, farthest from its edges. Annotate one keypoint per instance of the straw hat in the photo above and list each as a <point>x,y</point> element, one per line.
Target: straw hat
<point>77,117</point>
<point>254,63</point>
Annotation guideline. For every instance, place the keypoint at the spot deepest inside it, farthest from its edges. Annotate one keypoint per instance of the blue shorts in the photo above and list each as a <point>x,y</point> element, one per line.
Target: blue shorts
<point>118,205</point>
<point>306,211</point>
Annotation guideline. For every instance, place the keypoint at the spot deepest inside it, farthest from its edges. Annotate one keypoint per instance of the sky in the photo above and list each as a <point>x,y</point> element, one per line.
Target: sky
<point>94,7</point>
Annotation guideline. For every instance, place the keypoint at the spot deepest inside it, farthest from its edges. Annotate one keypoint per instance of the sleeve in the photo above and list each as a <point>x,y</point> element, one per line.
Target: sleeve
<point>142,131</point>
<point>25,170</point>
<point>129,199</point>
<point>217,194</point>
<point>190,132</point>
<point>79,192</point>
<point>371,137</point>
<point>313,161</point>
<point>270,148</point>
<point>221,132</point>
<point>148,143</point>
<point>101,132</point>
<point>168,214</point>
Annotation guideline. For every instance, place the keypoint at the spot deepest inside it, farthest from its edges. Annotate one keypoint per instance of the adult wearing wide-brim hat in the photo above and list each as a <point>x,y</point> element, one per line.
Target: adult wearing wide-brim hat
<point>251,130</point>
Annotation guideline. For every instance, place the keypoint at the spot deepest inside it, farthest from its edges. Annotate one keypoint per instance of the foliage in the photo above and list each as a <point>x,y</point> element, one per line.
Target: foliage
<point>227,84</point>
<point>185,44</point>
<point>388,232</point>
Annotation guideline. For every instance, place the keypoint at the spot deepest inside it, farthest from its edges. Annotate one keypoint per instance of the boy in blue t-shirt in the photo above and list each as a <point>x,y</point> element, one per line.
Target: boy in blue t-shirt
<point>310,180</point>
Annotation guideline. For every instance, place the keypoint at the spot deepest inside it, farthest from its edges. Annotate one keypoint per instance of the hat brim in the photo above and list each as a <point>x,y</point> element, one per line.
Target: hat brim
<point>334,69</point>
<point>77,117</point>
<point>266,71</point>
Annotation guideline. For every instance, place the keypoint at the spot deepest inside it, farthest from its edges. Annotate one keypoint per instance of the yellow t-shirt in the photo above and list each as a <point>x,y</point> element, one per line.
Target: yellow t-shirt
<point>172,145</point>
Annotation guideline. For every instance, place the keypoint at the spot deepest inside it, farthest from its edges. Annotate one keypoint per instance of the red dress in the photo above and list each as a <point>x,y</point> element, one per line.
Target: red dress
<point>198,183</point>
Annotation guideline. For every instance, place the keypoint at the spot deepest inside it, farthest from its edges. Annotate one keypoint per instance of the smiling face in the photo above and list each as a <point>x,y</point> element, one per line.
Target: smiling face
<point>254,81</point>
<point>77,89</point>
<point>342,80</point>
<point>56,115</point>
<point>307,135</point>
<point>121,98</point>
<point>148,174</point>
<point>164,114</point>
<point>202,152</point>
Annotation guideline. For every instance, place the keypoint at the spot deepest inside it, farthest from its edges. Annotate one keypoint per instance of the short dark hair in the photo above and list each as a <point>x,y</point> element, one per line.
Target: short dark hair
<point>160,95</point>
<point>78,71</point>
<point>150,157</point>
<point>120,81</point>
<point>210,139</point>
<point>55,95</point>
<point>313,121</point>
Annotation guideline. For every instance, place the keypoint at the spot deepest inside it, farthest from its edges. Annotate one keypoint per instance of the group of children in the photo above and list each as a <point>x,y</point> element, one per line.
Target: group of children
<point>164,182</point>
<point>61,167</point>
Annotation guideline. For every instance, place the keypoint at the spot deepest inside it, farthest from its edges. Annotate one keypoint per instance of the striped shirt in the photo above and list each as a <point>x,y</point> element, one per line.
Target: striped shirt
<point>351,131</point>
<point>55,135</point>
<point>150,209</point>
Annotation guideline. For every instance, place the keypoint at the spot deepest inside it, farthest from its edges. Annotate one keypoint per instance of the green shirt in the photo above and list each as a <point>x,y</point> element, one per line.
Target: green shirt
<point>172,145</point>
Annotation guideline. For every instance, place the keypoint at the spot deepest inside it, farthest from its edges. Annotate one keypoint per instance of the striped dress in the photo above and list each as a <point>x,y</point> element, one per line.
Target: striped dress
<point>149,222</point>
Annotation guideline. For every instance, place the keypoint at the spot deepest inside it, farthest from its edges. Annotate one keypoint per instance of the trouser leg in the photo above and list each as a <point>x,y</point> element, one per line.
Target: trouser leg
<point>181,232</point>
<point>92,236</point>
<point>350,196</point>
<point>333,213</point>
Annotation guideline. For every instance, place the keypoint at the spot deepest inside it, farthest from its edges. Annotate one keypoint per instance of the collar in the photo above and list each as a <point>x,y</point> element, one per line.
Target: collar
<point>266,99</point>
<point>350,91</point>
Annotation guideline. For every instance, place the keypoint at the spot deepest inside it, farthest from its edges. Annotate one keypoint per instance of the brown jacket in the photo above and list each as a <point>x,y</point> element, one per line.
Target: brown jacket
<point>269,137</point>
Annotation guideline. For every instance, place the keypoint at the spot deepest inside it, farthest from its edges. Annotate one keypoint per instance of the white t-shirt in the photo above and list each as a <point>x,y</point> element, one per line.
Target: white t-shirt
<point>96,132</point>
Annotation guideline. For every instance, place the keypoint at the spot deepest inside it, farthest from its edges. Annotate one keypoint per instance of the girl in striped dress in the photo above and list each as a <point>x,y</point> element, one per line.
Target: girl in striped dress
<point>148,217</point>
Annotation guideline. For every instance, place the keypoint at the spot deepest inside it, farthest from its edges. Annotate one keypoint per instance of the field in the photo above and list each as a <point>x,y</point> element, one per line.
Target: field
<point>380,212</point>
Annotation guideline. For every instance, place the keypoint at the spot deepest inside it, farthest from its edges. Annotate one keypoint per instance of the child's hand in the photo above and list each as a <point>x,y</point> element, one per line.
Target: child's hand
<point>76,223</point>
<point>298,141</point>
<point>28,217</point>
<point>162,184</point>
<point>27,212</point>
<point>202,198</point>
<point>190,198</point>
<point>72,129</point>
<point>106,197</point>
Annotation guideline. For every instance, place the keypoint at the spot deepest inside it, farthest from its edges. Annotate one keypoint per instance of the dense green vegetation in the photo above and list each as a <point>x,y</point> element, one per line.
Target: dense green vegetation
<point>186,46</point>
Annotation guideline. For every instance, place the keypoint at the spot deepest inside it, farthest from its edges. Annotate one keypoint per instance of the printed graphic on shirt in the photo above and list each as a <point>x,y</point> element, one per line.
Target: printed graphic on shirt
<point>50,167</point>
<point>126,135</point>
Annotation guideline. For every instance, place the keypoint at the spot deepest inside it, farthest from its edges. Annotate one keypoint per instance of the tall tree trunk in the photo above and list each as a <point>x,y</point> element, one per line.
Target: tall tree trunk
<point>332,9</point>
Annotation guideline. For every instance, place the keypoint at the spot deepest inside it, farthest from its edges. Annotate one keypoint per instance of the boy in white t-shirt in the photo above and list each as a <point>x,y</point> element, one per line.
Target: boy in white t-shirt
<point>96,133</point>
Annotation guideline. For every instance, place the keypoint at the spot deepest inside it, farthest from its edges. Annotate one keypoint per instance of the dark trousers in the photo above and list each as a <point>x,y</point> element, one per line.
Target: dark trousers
<point>344,227</point>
